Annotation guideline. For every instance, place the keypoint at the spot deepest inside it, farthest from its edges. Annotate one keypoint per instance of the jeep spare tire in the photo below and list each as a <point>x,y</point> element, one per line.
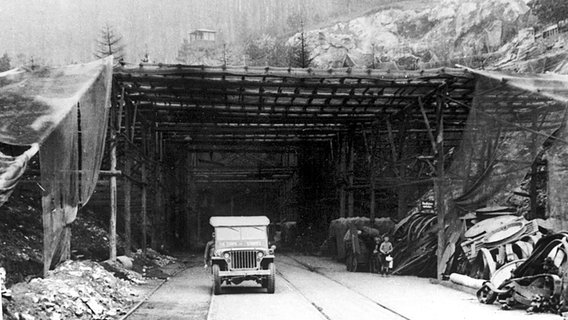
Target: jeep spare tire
<point>271,286</point>
<point>216,280</point>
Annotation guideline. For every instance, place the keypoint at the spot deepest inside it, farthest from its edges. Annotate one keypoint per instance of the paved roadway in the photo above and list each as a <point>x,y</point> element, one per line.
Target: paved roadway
<point>317,288</point>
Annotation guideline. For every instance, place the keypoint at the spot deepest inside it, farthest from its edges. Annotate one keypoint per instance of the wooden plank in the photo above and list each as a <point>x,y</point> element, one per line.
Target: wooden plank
<point>113,188</point>
<point>439,188</point>
<point>286,72</point>
<point>127,185</point>
<point>143,210</point>
<point>369,148</point>
<point>351,176</point>
<point>428,127</point>
<point>342,175</point>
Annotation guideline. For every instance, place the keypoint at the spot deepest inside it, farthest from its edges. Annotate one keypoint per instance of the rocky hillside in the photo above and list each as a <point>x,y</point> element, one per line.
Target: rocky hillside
<point>412,38</point>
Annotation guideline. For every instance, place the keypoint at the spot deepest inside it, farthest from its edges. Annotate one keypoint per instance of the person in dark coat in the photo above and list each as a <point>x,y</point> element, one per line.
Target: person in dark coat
<point>209,249</point>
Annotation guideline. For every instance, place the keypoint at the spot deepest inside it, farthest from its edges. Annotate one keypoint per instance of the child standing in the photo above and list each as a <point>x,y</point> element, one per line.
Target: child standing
<point>386,249</point>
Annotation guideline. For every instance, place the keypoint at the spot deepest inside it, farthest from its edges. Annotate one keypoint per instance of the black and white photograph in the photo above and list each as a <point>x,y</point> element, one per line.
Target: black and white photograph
<point>283,159</point>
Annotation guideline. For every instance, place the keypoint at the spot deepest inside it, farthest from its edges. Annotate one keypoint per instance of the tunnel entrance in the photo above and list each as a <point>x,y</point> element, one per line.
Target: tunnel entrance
<point>296,145</point>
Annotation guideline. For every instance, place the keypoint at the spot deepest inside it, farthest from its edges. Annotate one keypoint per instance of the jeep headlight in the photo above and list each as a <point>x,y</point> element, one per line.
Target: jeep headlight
<point>227,256</point>
<point>260,254</point>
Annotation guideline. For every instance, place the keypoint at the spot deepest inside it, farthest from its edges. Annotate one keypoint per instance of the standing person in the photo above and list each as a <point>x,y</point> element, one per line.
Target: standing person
<point>375,259</point>
<point>209,248</point>
<point>386,249</point>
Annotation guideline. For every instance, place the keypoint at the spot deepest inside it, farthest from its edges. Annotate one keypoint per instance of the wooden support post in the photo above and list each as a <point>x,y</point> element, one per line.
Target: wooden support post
<point>187,196</point>
<point>198,229</point>
<point>154,220</point>
<point>144,189</point>
<point>143,209</point>
<point>154,241</point>
<point>428,127</point>
<point>127,187</point>
<point>113,191</point>
<point>402,191</point>
<point>351,174</point>
<point>369,147</point>
<point>342,174</point>
<point>439,186</point>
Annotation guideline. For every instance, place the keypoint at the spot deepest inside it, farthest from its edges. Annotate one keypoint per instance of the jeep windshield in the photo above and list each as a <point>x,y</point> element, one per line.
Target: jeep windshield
<point>239,237</point>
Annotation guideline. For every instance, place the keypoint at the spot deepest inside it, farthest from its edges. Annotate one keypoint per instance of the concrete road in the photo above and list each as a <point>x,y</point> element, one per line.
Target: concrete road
<point>317,288</point>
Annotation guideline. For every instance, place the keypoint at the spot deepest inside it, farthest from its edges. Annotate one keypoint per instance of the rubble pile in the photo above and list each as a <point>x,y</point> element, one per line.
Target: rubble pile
<point>149,265</point>
<point>159,259</point>
<point>75,289</point>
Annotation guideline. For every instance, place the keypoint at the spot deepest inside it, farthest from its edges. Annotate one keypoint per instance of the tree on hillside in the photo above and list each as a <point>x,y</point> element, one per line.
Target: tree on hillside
<point>549,10</point>
<point>300,56</point>
<point>109,43</point>
<point>266,51</point>
<point>5,63</point>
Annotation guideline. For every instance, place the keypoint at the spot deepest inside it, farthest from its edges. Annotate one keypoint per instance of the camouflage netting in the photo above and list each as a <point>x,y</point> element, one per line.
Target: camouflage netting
<point>511,118</point>
<point>65,111</point>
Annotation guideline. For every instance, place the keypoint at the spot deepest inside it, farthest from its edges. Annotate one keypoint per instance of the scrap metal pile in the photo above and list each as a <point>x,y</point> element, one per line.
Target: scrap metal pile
<point>511,260</point>
<point>535,282</point>
<point>497,238</point>
<point>416,240</point>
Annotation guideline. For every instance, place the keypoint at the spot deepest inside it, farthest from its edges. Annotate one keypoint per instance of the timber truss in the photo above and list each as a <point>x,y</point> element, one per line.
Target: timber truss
<point>406,121</point>
<point>275,109</point>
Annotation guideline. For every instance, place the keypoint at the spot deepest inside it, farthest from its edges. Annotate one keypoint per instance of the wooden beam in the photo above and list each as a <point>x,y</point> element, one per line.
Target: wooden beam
<point>127,185</point>
<point>144,204</point>
<point>289,73</point>
<point>351,176</point>
<point>439,187</point>
<point>342,176</point>
<point>113,188</point>
<point>428,127</point>
<point>369,148</point>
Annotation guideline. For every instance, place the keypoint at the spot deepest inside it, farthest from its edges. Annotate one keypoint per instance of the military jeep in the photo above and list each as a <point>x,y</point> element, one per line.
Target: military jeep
<point>241,252</point>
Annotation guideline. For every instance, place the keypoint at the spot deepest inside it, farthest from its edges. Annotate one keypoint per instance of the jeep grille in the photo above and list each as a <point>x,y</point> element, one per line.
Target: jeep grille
<point>245,259</point>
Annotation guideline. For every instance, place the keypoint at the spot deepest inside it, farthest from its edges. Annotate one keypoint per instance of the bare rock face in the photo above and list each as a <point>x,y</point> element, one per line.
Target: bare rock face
<point>453,29</point>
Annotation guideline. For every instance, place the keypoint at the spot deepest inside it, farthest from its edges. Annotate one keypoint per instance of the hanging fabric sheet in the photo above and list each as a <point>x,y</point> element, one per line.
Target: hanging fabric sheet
<point>65,110</point>
<point>11,169</point>
<point>511,118</point>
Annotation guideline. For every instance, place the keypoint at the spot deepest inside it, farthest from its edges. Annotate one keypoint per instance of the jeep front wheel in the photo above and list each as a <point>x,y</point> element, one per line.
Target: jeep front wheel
<point>271,285</point>
<point>216,280</point>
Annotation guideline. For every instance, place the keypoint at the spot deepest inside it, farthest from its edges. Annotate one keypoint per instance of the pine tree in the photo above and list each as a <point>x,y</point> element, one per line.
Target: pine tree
<point>5,63</point>
<point>301,54</point>
<point>109,43</point>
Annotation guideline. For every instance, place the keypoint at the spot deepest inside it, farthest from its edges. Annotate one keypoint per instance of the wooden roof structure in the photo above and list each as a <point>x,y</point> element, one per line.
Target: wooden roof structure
<point>244,108</point>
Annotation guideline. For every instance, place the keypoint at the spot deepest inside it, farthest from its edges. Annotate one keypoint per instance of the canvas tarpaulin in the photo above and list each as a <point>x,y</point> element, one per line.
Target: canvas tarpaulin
<point>510,119</point>
<point>11,170</point>
<point>65,110</point>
